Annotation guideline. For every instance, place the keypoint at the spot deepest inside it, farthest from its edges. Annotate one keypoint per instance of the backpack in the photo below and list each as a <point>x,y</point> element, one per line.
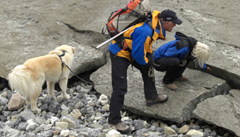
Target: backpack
<point>135,12</point>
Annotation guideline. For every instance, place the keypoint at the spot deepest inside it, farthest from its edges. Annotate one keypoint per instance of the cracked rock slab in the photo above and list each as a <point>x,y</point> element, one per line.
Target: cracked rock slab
<point>221,110</point>
<point>181,102</point>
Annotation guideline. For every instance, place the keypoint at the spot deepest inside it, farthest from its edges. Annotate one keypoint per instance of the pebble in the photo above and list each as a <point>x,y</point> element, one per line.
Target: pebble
<point>85,114</point>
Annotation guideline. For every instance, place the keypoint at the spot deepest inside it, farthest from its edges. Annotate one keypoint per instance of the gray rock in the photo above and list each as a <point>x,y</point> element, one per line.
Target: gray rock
<point>94,132</point>
<point>39,119</point>
<point>200,87</point>
<point>6,113</point>
<point>31,125</point>
<point>54,107</point>
<point>48,133</point>
<point>15,102</point>
<point>10,132</point>
<point>71,123</point>
<point>138,124</point>
<point>174,127</point>
<point>31,134</point>
<point>40,128</point>
<point>26,115</point>
<point>13,123</point>
<point>3,101</point>
<point>224,112</point>
<point>54,120</point>
<point>2,125</point>
<point>31,29</point>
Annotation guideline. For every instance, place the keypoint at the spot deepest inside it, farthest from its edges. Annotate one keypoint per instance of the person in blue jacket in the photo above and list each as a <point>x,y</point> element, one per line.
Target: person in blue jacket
<point>174,56</point>
<point>136,49</point>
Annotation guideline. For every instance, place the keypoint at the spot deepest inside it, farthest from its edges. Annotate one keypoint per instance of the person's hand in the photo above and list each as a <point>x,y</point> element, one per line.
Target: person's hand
<point>150,61</point>
<point>209,69</point>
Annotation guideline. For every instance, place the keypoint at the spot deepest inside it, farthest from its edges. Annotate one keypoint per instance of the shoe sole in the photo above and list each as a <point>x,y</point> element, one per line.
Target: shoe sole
<point>152,103</point>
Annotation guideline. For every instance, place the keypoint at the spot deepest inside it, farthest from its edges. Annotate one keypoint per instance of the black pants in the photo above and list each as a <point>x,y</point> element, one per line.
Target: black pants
<point>119,85</point>
<point>172,68</point>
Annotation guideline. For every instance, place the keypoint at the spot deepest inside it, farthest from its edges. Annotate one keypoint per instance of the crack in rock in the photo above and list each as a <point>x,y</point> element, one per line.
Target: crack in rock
<point>219,89</point>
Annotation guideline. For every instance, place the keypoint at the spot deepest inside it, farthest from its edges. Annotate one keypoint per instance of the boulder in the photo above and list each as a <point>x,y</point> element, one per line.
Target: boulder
<point>15,102</point>
<point>181,102</point>
<point>33,28</point>
<point>222,110</point>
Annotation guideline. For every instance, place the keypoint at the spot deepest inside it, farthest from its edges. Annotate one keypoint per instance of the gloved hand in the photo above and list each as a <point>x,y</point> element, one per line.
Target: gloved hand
<point>150,60</point>
<point>183,63</point>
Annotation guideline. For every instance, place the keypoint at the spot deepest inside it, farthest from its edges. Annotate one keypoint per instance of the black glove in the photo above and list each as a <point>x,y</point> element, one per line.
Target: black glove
<point>150,60</point>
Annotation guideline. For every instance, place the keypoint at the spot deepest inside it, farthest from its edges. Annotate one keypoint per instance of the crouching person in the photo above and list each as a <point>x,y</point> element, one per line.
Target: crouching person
<point>174,56</point>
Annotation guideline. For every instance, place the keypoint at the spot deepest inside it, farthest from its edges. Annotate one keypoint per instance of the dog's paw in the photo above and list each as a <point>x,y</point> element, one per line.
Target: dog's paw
<point>36,111</point>
<point>62,96</point>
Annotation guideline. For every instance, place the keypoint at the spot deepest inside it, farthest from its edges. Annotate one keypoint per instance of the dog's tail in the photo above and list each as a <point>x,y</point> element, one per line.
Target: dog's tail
<point>20,80</point>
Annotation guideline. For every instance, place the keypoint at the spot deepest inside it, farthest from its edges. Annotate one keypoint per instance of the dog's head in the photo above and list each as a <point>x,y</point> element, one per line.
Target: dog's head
<point>68,56</point>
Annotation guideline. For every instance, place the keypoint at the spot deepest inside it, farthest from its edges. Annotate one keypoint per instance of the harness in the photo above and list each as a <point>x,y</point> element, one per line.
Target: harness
<point>60,57</point>
<point>63,63</point>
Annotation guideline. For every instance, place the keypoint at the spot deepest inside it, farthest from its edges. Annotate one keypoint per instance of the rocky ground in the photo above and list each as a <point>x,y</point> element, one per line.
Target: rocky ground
<point>33,28</point>
<point>85,115</point>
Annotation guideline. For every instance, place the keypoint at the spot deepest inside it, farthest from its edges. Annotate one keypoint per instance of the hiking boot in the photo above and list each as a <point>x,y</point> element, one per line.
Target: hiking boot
<point>171,86</point>
<point>183,79</point>
<point>123,129</point>
<point>159,99</point>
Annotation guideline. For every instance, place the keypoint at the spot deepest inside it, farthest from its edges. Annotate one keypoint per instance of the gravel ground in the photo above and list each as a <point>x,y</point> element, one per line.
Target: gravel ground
<point>85,115</point>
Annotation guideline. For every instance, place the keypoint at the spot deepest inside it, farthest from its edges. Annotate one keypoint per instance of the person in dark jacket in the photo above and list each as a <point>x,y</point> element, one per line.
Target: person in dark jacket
<point>174,56</point>
<point>138,41</point>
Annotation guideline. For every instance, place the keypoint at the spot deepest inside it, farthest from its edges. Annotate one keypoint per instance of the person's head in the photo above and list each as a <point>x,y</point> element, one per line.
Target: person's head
<point>201,52</point>
<point>169,19</point>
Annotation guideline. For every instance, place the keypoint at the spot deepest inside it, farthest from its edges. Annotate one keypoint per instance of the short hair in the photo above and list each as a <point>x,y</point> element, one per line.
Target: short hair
<point>163,21</point>
<point>201,52</point>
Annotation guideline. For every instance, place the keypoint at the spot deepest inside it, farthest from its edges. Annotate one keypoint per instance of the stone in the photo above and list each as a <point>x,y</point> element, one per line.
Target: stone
<point>71,124</point>
<point>61,125</point>
<point>54,120</point>
<point>64,133</point>
<point>22,126</point>
<point>189,94</point>
<point>76,114</point>
<point>56,132</point>
<point>15,102</point>
<point>138,124</point>
<point>106,107</point>
<point>224,112</point>
<point>34,28</point>
<point>103,99</point>
<point>3,101</point>
<point>26,115</point>
<point>168,130</point>
<point>31,125</point>
<point>194,132</point>
<point>184,129</point>
<point>11,132</point>
<point>113,133</point>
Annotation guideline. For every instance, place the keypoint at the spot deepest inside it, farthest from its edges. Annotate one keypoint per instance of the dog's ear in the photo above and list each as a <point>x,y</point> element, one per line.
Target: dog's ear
<point>55,52</point>
<point>73,50</point>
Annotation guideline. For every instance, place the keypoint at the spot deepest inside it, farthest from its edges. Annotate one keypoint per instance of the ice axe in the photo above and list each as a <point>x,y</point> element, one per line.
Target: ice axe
<point>112,38</point>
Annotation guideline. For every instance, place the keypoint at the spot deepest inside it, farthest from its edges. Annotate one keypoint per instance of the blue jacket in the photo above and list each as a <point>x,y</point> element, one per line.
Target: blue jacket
<point>169,50</point>
<point>139,36</point>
